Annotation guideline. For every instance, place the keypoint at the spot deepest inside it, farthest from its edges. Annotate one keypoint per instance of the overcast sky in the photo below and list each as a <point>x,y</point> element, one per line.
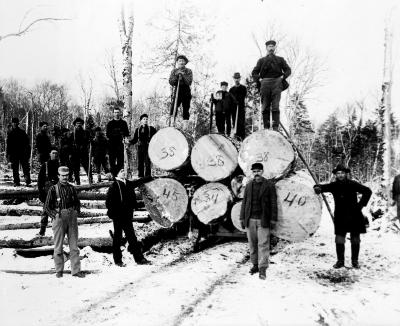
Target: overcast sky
<point>347,35</point>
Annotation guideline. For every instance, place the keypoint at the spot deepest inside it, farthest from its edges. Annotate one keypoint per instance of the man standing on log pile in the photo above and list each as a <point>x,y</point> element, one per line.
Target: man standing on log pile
<point>258,214</point>
<point>63,206</point>
<point>65,151</point>
<point>99,153</point>
<point>18,152</point>
<point>142,137</point>
<point>348,216</point>
<point>79,144</point>
<point>183,95</point>
<point>225,104</point>
<point>117,133</point>
<point>396,194</point>
<point>43,143</point>
<point>239,92</point>
<point>48,176</point>
<point>270,75</point>
<point>121,204</point>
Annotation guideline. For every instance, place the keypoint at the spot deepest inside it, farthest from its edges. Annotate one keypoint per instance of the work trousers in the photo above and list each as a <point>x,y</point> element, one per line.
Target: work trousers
<point>15,162</point>
<point>100,161</point>
<point>125,224</point>
<point>241,123</point>
<point>76,160</point>
<point>270,90</point>
<point>66,223</point>
<point>183,98</point>
<point>354,238</point>
<point>144,164</point>
<point>222,119</point>
<point>116,157</point>
<point>259,242</point>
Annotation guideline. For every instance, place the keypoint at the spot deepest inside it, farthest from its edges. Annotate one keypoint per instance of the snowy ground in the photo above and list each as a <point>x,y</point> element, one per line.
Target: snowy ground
<point>212,287</point>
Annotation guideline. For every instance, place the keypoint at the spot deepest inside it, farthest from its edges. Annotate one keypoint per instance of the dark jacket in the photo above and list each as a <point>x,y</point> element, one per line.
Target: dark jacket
<point>271,66</point>
<point>121,200</point>
<point>239,93</point>
<point>396,187</point>
<point>43,144</point>
<point>143,135</point>
<point>48,175</point>
<point>226,105</point>
<point>116,130</point>
<point>18,146</point>
<point>348,215</point>
<point>99,146</point>
<point>268,200</point>
<point>187,76</point>
<point>78,141</point>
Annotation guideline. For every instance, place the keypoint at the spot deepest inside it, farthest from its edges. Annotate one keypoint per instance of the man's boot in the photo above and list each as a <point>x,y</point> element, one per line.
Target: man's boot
<point>98,177</point>
<point>254,269</point>
<point>263,273</point>
<point>340,255</point>
<point>355,250</point>
<point>42,230</point>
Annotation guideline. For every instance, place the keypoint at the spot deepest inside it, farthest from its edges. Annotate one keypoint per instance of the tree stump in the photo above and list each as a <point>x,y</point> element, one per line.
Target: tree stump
<point>214,157</point>
<point>166,200</point>
<point>210,202</point>
<point>235,216</point>
<point>269,148</point>
<point>299,208</point>
<point>169,149</point>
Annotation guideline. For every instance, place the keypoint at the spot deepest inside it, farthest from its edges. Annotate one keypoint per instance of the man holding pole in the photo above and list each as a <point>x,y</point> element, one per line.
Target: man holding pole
<point>181,78</point>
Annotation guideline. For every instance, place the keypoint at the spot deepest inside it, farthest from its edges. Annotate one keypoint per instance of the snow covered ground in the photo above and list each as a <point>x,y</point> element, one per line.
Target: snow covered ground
<point>212,287</point>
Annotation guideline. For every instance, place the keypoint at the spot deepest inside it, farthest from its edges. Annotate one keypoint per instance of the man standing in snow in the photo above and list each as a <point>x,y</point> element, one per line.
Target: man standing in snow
<point>348,216</point>
<point>271,72</point>
<point>43,144</point>
<point>258,214</point>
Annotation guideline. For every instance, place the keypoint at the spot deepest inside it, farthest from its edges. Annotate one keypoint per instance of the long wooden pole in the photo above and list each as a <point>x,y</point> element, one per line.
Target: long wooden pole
<point>308,168</point>
<point>211,112</point>
<point>175,103</point>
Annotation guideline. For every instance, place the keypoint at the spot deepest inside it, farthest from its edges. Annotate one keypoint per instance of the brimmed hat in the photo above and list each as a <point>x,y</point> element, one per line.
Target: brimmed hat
<point>257,166</point>
<point>15,120</point>
<point>78,120</point>
<point>63,170</point>
<point>236,75</point>
<point>224,83</point>
<point>144,115</point>
<point>341,167</point>
<point>270,42</point>
<point>182,57</point>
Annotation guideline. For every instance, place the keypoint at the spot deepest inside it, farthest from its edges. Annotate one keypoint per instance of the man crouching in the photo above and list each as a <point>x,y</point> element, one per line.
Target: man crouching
<point>258,214</point>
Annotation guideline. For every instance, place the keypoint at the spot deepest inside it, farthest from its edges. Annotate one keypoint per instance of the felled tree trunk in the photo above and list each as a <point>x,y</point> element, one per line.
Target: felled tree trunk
<point>166,200</point>
<point>235,216</point>
<point>214,157</point>
<point>269,148</point>
<point>169,149</point>
<point>211,201</point>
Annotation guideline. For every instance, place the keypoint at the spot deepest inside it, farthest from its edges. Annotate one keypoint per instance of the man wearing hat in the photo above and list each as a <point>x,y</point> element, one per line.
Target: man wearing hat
<point>43,143</point>
<point>18,152</point>
<point>183,96</point>
<point>258,214</point>
<point>225,104</point>
<point>142,137</point>
<point>79,149</point>
<point>348,217</point>
<point>117,132</point>
<point>99,153</point>
<point>62,205</point>
<point>271,71</point>
<point>239,92</point>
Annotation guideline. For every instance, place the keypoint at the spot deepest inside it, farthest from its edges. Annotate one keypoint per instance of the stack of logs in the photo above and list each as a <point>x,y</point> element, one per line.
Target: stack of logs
<point>207,178</point>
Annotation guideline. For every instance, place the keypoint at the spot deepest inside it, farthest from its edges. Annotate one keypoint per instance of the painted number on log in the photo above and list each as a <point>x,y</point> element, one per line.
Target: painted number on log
<point>170,194</point>
<point>167,152</point>
<point>301,201</point>
<point>218,160</point>
<point>261,157</point>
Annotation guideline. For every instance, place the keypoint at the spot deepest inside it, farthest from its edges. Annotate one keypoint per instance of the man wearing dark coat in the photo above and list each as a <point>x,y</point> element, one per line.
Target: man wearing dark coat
<point>117,132</point>
<point>396,193</point>
<point>348,217</point>
<point>271,71</point>
<point>48,176</point>
<point>225,104</point>
<point>258,214</point>
<point>121,204</point>
<point>142,137</point>
<point>43,143</point>
<point>18,152</point>
<point>239,92</point>
<point>78,140</point>
<point>99,153</point>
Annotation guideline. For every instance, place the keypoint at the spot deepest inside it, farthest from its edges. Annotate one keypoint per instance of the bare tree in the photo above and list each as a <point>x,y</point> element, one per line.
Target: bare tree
<point>112,72</point>
<point>86,86</point>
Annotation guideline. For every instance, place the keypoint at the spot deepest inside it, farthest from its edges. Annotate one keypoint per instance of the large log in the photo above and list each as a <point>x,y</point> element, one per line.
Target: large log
<point>214,157</point>
<point>169,149</point>
<point>235,216</point>
<point>211,201</point>
<point>166,200</point>
<point>269,148</point>
<point>11,210</point>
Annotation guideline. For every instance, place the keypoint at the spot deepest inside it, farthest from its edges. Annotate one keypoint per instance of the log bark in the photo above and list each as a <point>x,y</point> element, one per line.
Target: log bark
<point>166,200</point>
<point>169,149</point>
<point>211,201</point>
<point>269,148</point>
<point>10,210</point>
<point>235,216</point>
<point>214,157</point>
